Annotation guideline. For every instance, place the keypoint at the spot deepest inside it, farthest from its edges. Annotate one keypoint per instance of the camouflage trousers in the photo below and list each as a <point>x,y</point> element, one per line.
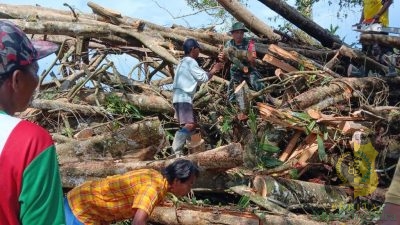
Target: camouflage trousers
<point>238,77</point>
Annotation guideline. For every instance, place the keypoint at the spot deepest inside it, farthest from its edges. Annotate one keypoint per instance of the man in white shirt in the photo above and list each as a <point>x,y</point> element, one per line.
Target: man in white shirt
<point>187,77</point>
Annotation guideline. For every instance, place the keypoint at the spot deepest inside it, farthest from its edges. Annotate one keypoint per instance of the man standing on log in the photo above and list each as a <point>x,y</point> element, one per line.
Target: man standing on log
<point>241,52</point>
<point>188,76</point>
<point>132,195</point>
<point>30,187</point>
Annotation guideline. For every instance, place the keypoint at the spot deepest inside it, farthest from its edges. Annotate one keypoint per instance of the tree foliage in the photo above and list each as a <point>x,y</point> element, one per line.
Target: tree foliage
<point>304,6</point>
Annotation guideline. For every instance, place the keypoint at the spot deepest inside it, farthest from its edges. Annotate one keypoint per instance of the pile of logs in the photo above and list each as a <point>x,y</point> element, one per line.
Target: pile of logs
<point>285,158</point>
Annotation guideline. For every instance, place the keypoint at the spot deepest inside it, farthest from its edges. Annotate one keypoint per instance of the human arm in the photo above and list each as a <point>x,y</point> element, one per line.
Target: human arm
<point>140,217</point>
<point>251,53</point>
<point>385,7</point>
<point>215,69</point>
<point>362,16</point>
<point>41,194</point>
<point>144,203</point>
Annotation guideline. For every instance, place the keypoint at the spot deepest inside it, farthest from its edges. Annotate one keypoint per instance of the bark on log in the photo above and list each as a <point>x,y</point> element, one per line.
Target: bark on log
<point>255,25</point>
<point>221,158</point>
<point>67,107</point>
<point>135,142</point>
<point>286,220</point>
<point>145,103</point>
<point>344,87</point>
<point>361,58</point>
<point>300,60</point>
<point>201,216</point>
<point>302,22</point>
<point>294,193</point>
<point>260,200</point>
<point>393,41</point>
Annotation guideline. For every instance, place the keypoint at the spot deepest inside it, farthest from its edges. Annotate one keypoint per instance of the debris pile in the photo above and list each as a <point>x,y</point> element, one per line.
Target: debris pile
<point>307,150</point>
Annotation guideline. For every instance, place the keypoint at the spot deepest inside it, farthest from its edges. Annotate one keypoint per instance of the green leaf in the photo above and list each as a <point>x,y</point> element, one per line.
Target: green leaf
<point>302,115</point>
<point>270,162</point>
<point>269,148</point>
<point>294,174</point>
<point>311,125</point>
<point>244,201</point>
<point>321,149</point>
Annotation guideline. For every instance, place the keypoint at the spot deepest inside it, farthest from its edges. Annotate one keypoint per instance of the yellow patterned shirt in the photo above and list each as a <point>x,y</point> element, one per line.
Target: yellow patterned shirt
<point>114,198</point>
<point>372,7</point>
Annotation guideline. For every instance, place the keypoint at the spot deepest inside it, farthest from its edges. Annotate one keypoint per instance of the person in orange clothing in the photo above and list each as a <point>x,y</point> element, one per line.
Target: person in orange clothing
<point>132,195</point>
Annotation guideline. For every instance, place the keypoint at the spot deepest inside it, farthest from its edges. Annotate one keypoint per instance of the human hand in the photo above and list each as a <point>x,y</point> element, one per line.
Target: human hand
<point>376,18</point>
<point>221,57</point>
<point>217,67</point>
<point>251,56</point>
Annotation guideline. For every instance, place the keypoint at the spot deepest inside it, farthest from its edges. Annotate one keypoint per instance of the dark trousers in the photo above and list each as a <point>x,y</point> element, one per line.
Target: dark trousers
<point>238,77</point>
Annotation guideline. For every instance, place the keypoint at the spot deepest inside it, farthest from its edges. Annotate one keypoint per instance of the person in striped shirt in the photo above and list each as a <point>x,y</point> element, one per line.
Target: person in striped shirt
<point>132,195</point>
<point>30,187</point>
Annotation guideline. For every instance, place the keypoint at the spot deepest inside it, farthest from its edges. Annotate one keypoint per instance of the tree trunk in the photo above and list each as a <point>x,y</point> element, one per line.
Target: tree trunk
<point>221,158</point>
<point>344,88</point>
<point>145,103</point>
<point>295,193</point>
<point>393,41</point>
<point>302,22</point>
<point>59,105</point>
<point>138,141</point>
<point>255,25</point>
<point>260,200</point>
<point>201,216</point>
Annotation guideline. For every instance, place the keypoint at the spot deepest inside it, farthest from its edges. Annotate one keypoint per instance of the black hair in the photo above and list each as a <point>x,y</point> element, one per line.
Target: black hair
<point>5,76</point>
<point>190,44</point>
<point>181,169</point>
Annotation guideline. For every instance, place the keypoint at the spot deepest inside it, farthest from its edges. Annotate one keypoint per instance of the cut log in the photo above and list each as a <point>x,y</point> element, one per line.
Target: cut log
<point>97,9</point>
<point>61,105</point>
<point>242,14</point>
<point>221,158</point>
<point>293,193</point>
<point>393,41</point>
<point>278,63</point>
<point>201,216</point>
<point>290,146</point>
<point>259,200</point>
<point>349,127</point>
<point>196,144</point>
<point>138,141</point>
<point>285,220</point>
<point>280,117</point>
<point>243,100</point>
<point>144,102</point>
<point>301,60</point>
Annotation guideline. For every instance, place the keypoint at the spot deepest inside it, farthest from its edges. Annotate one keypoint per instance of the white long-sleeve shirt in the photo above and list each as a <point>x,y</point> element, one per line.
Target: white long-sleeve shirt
<point>187,76</point>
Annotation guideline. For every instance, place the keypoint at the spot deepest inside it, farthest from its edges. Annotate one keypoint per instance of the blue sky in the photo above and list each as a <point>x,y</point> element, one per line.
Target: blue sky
<point>324,14</point>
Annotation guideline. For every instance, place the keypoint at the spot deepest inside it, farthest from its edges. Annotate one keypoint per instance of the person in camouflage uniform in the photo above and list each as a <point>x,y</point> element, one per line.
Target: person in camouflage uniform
<point>241,52</point>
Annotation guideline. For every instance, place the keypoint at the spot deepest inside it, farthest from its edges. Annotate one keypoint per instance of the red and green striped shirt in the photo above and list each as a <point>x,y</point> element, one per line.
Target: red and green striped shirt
<point>30,186</point>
